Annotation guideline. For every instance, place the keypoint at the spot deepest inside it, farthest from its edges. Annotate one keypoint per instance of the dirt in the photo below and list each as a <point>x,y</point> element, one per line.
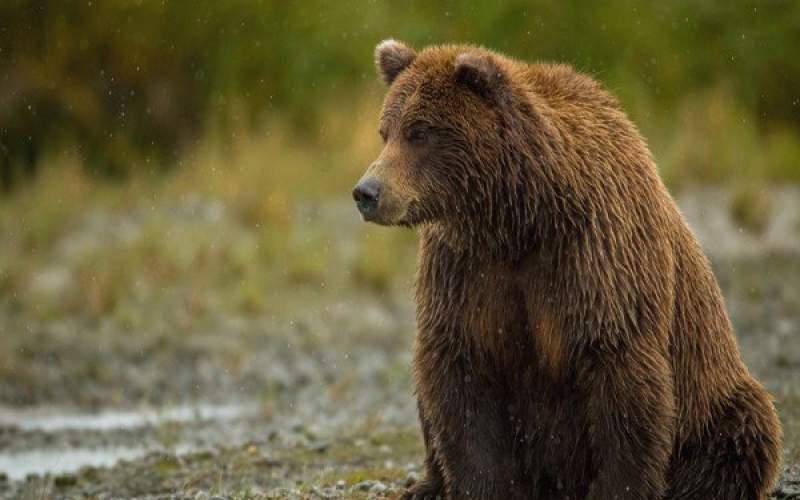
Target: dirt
<point>312,402</point>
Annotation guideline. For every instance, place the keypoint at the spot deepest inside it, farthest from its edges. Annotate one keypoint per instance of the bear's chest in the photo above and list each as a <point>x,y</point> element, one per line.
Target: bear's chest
<point>484,306</point>
<point>500,326</point>
<point>495,314</point>
<point>502,308</point>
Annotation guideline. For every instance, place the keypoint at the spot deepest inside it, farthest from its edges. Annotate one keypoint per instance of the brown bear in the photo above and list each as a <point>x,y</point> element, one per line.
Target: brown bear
<point>571,340</point>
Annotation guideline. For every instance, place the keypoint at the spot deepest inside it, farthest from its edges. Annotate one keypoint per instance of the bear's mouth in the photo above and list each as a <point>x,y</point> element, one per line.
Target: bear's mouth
<point>384,220</point>
<point>393,212</point>
<point>409,215</point>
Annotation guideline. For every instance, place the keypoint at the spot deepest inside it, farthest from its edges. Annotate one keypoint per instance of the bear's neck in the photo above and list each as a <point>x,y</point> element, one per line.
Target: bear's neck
<point>483,243</point>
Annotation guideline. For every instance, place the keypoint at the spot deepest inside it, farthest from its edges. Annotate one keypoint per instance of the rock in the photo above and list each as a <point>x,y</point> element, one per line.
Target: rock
<point>324,492</point>
<point>787,492</point>
<point>378,487</point>
<point>320,447</point>
<point>411,479</point>
<point>789,485</point>
<point>364,485</point>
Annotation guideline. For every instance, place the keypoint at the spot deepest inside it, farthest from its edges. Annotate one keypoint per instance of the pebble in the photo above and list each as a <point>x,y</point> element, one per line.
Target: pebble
<point>378,487</point>
<point>787,492</point>
<point>364,485</point>
<point>320,447</point>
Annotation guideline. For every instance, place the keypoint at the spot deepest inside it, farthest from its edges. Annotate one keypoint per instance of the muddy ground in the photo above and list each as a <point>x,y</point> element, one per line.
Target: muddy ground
<point>314,401</point>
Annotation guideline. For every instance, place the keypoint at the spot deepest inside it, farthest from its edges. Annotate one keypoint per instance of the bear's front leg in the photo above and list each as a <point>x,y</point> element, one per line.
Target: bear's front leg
<point>469,432</point>
<point>432,485</point>
<point>631,412</point>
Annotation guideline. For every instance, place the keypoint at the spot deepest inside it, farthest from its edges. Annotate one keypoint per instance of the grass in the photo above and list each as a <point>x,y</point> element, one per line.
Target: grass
<point>245,215</point>
<point>376,258</point>
<point>750,207</point>
<point>712,138</point>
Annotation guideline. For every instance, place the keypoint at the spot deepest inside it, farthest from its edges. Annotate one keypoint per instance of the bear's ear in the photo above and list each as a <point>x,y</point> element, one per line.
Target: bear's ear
<point>481,74</point>
<point>391,58</point>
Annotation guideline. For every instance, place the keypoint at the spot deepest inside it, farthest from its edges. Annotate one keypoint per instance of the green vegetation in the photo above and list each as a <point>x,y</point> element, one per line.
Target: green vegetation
<point>713,85</point>
<point>245,219</point>
<point>750,208</point>
<point>267,110</point>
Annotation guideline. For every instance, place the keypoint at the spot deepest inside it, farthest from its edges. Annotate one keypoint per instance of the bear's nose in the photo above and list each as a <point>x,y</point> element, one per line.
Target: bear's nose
<point>366,195</point>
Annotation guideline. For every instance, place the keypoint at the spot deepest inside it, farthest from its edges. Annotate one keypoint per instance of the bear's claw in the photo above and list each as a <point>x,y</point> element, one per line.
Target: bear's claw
<point>424,490</point>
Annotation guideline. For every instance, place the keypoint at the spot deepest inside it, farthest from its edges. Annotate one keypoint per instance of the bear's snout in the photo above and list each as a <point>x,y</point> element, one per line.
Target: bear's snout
<point>367,194</point>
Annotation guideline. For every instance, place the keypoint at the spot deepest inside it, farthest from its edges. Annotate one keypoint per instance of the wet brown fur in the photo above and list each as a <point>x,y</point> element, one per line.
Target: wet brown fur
<point>572,341</point>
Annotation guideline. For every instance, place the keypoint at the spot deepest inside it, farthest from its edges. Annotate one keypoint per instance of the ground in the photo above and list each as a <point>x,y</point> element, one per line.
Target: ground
<point>292,384</point>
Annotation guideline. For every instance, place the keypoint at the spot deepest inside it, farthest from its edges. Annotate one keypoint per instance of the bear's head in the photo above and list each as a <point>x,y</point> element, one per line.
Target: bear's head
<point>448,125</point>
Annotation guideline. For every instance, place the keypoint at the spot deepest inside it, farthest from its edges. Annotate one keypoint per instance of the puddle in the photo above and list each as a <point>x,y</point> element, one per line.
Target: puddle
<point>55,419</point>
<point>19,465</point>
<point>57,460</point>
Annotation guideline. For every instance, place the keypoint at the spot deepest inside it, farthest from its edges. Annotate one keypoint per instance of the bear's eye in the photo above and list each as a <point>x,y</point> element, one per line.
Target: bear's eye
<point>417,135</point>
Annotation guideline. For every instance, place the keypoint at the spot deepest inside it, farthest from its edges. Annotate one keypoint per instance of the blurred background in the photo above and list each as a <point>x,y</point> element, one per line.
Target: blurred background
<point>186,286</point>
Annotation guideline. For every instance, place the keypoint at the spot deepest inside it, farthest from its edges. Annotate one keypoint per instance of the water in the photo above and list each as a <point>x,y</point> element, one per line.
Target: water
<point>19,465</point>
<point>53,419</point>
<point>57,460</point>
